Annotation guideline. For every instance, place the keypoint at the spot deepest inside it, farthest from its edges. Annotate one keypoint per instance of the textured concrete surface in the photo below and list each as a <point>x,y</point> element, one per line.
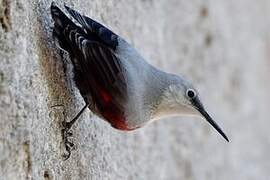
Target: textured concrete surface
<point>223,46</point>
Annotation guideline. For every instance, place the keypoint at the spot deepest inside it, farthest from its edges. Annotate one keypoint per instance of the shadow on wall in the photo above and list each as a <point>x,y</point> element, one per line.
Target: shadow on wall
<point>5,15</point>
<point>53,68</point>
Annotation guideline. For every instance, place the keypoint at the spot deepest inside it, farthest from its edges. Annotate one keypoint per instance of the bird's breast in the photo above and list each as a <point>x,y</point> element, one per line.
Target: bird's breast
<point>116,118</point>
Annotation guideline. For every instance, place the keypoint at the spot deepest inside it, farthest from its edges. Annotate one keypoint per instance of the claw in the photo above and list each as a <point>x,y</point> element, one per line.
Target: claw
<point>69,133</point>
<point>69,144</point>
<point>66,155</point>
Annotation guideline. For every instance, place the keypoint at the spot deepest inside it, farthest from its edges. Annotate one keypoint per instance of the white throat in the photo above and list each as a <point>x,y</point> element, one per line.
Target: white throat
<point>172,105</point>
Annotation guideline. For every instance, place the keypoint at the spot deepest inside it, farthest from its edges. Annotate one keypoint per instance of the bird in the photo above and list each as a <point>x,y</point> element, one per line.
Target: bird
<point>116,82</point>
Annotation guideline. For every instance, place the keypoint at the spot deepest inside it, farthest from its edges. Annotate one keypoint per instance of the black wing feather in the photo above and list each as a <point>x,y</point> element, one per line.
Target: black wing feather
<point>92,47</point>
<point>91,26</point>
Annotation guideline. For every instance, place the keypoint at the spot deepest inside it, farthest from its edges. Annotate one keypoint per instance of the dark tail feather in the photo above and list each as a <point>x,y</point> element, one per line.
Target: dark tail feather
<point>61,21</point>
<point>86,22</point>
<point>106,35</point>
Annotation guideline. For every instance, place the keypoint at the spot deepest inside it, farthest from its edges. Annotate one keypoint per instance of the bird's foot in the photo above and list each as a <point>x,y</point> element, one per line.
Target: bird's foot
<point>67,134</point>
<point>67,140</point>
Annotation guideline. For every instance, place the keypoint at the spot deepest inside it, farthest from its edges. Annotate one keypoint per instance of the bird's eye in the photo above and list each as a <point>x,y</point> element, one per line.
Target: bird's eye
<point>191,93</point>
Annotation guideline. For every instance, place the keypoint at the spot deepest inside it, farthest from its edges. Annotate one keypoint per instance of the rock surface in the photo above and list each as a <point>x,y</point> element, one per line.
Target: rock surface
<point>222,46</point>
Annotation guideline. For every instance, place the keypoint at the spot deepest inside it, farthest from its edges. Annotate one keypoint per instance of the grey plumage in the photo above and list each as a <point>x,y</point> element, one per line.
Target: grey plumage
<point>116,81</point>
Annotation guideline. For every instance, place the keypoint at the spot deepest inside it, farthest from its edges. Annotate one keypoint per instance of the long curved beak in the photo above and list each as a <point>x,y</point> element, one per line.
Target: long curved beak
<point>198,105</point>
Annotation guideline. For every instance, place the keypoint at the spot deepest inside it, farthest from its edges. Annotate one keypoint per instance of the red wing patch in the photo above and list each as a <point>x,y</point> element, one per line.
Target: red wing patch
<point>105,97</point>
<point>115,120</point>
<point>112,113</point>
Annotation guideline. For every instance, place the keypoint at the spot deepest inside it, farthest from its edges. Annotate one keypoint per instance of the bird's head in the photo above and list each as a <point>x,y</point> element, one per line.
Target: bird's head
<point>181,98</point>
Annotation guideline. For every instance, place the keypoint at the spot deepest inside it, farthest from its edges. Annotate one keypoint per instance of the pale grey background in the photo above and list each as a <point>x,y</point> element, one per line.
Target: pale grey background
<point>223,46</point>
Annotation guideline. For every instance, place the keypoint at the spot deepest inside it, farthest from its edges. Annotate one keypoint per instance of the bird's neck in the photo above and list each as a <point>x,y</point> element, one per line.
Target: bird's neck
<point>169,106</point>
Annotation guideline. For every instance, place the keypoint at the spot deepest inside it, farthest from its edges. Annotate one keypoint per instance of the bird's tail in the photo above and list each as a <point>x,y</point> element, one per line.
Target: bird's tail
<point>93,27</point>
<point>61,22</point>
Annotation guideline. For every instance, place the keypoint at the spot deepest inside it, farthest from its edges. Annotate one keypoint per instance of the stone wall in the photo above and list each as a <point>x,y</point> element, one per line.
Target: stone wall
<point>223,46</point>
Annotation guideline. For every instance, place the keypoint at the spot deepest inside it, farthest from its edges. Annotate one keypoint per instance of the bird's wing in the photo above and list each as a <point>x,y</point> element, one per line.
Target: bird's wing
<point>92,27</point>
<point>97,68</point>
<point>108,76</point>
